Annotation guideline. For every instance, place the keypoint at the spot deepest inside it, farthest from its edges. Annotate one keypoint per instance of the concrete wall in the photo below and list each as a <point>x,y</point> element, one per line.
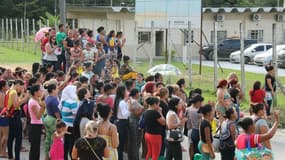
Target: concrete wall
<point>232,21</point>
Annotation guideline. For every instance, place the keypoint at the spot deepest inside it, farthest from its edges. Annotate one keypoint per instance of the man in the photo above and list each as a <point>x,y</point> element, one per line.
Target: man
<point>60,36</point>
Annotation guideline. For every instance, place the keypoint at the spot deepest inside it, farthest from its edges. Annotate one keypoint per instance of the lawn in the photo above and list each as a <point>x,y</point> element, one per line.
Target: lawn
<point>12,58</point>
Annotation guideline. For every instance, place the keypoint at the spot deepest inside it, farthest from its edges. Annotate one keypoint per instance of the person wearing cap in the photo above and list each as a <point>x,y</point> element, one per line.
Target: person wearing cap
<point>126,71</point>
<point>90,147</point>
<point>193,123</point>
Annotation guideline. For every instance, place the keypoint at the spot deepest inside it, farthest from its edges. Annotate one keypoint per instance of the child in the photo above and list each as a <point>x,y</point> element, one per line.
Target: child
<point>106,73</point>
<point>89,53</point>
<point>115,69</point>
<point>88,73</point>
<point>57,148</point>
<point>76,52</point>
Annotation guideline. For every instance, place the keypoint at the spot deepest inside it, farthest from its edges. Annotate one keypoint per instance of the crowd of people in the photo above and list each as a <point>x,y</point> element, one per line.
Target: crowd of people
<point>89,103</point>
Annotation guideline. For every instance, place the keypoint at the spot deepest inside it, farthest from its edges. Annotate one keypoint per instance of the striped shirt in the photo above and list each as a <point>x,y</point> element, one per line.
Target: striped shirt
<point>68,112</point>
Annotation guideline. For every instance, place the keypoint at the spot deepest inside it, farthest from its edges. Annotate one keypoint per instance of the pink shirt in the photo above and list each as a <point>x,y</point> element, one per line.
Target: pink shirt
<point>241,141</point>
<point>33,117</point>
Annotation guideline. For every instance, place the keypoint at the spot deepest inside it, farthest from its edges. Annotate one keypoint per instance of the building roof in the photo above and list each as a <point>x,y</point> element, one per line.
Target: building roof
<point>244,9</point>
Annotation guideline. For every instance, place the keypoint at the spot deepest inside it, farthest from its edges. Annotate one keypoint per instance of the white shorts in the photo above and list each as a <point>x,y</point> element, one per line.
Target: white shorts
<point>189,136</point>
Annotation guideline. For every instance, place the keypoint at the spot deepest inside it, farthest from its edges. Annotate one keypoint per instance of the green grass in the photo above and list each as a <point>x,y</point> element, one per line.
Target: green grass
<point>12,58</point>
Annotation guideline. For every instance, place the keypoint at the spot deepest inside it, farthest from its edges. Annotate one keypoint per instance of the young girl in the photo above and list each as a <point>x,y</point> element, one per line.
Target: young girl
<point>57,148</point>
<point>115,69</point>
<point>106,73</point>
<point>76,52</point>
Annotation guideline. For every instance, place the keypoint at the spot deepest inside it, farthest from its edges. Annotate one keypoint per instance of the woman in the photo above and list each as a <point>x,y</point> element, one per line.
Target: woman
<point>228,135</point>
<point>120,42</point>
<point>107,130</point>
<point>257,95</point>
<point>16,97</point>
<point>4,123</point>
<point>254,140</point>
<point>36,111</point>
<point>101,37</point>
<point>100,58</point>
<point>140,81</point>
<point>68,106</point>
<point>193,122</point>
<point>76,52</point>
<point>223,99</point>
<point>53,115</point>
<point>154,122</point>
<point>50,57</point>
<point>90,39</point>
<point>205,143</point>
<point>90,147</point>
<point>106,96</point>
<point>270,87</point>
<point>122,114</point>
<point>182,85</point>
<point>111,41</point>
<point>84,114</point>
<point>163,104</point>
<point>136,109</point>
<point>68,44</point>
<point>261,125</point>
<point>126,71</point>
<point>173,122</point>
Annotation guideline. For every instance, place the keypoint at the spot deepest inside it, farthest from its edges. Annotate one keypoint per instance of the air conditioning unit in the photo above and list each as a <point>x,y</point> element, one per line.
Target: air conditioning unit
<point>256,17</point>
<point>220,18</point>
<point>280,18</point>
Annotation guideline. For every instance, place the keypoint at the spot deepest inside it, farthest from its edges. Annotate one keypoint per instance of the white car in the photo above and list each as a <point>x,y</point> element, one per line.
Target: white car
<point>266,58</point>
<point>250,52</point>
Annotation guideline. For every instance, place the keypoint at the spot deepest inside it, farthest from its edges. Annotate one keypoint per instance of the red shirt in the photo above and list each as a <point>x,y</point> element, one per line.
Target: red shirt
<point>258,96</point>
<point>105,99</point>
<point>43,44</point>
<point>242,140</point>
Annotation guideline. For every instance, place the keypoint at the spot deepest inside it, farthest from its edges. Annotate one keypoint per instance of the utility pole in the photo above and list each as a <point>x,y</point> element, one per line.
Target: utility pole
<point>242,58</point>
<point>274,59</point>
<point>62,7</point>
<point>215,55</point>
<point>189,53</point>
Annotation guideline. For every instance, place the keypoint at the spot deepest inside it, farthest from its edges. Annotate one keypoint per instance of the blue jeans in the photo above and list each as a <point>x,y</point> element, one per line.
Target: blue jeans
<point>122,126</point>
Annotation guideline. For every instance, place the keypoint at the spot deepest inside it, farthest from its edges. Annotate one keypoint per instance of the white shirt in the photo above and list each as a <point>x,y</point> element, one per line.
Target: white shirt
<point>123,111</point>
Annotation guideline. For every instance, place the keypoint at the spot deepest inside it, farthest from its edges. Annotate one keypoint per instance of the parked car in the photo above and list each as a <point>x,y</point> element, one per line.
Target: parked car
<point>250,52</point>
<point>225,49</point>
<point>281,59</point>
<point>266,58</point>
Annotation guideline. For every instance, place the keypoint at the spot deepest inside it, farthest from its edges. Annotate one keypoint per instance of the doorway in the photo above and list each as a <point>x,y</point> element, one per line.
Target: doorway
<point>159,43</point>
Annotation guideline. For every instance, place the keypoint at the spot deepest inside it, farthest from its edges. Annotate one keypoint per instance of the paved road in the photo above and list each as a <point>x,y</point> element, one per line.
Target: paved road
<point>278,143</point>
<point>248,67</point>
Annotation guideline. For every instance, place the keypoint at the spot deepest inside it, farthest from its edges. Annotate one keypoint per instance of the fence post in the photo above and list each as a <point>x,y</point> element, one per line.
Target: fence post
<point>11,32</point>
<point>73,23</point>
<point>22,34</point>
<point>135,45</point>
<point>152,44</point>
<point>16,22</point>
<point>2,30</point>
<point>47,23</point>
<point>40,21</point>
<point>28,35</point>
<point>34,32</point>
<point>7,32</point>
<point>274,60</point>
<point>169,43</point>
<point>215,55</point>
<point>189,51</point>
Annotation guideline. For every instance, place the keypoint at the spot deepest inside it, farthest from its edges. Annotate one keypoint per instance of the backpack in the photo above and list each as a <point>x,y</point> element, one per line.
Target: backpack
<point>9,113</point>
<point>257,153</point>
<point>226,140</point>
<point>141,122</point>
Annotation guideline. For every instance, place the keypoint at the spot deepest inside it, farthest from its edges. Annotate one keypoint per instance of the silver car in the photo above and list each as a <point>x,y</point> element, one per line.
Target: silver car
<point>266,57</point>
<point>250,52</point>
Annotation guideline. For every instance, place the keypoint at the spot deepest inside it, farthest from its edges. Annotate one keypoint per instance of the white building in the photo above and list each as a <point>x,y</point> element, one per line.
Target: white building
<point>258,25</point>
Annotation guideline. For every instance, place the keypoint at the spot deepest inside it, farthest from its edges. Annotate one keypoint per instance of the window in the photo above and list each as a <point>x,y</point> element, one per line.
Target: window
<point>144,37</point>
<point>259,49</point>
<point>221,35</point>
<point>268,47</point>
<point>256,35</point>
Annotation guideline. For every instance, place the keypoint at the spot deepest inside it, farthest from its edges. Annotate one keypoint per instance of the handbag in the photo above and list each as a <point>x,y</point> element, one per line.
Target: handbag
<point>175,135</point>
<point>95,154</point>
